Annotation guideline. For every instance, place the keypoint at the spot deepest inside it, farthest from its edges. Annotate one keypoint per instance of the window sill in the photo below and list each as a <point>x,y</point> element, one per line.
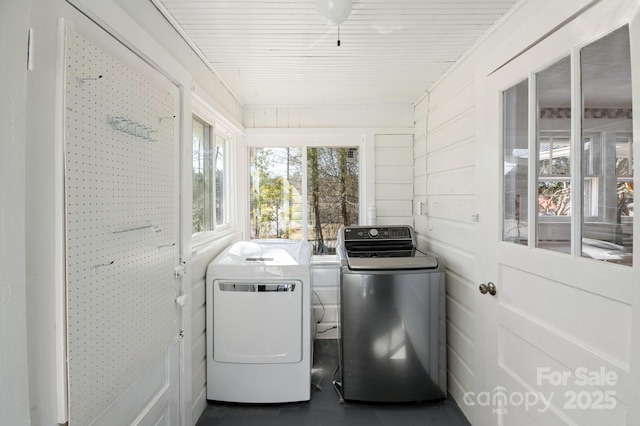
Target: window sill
<point>201,241</point>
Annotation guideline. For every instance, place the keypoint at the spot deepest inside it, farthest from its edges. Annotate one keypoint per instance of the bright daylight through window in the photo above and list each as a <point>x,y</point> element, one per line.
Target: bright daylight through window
<point>210,177</point>
<point>290,184</point>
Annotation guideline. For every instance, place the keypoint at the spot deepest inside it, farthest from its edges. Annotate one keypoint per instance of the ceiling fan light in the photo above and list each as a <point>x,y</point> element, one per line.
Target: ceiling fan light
<point>334,11</point>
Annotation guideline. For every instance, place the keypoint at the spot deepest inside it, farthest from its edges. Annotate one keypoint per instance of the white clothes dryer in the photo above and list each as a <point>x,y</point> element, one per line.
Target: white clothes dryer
<point>259,325</point>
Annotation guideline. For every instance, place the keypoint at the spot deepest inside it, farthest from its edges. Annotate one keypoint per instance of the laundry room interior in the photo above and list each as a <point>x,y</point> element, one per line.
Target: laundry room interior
<point>299,212</point>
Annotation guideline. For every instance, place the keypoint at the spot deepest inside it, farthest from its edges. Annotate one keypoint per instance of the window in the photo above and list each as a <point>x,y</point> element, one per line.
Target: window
<point>210,177</point>
<point>582,183</point>
<point>332,194</point>
<point>289,184</point>
<point>220,179</point>
<point>276,193</point>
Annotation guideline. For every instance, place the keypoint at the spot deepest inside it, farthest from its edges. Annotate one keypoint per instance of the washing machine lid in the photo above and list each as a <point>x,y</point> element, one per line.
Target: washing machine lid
<point>391,260</point>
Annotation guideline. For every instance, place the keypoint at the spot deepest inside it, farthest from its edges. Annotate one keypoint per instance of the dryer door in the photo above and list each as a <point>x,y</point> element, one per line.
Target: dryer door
<point>257,322</point>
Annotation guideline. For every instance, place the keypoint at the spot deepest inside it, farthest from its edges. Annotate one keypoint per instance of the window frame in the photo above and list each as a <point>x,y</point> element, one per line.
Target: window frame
<point>220,127</point>
<point>306,138</point>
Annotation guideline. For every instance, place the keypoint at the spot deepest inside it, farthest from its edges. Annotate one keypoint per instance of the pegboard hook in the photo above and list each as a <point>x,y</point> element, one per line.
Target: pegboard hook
<point>147,225</point>
<point>82,80</point>
<point>94,268</point>
<point>130,127</point>
<point>166,118</point>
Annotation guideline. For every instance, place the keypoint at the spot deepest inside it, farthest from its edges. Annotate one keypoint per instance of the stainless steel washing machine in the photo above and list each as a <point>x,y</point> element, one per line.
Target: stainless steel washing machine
<point>392,317</point>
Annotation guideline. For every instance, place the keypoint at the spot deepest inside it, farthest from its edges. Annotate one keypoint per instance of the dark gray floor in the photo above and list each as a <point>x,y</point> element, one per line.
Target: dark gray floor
<point>326,409</point>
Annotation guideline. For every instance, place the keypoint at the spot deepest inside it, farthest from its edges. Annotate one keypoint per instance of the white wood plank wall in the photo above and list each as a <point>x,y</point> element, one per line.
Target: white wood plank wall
<point>444,151</point>
<point>199,263</point>
<point>325,277</point>
<point>394,179</point>
<point>328,116</point>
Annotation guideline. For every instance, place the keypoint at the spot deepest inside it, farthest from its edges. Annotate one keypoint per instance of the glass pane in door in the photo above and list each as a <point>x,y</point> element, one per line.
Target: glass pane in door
<point>607,132</point>
<point>515,141</point>
<point>553,155</point>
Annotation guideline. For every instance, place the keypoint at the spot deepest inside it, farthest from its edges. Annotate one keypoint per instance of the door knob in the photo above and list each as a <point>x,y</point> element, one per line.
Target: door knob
<point>488,288</point>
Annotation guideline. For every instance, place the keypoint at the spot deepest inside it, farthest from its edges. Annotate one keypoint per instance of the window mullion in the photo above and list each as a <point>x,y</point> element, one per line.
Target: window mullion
<point>533,162</point>
<point>212,167</point>
<point>576,150</point>
<point>305,195</point>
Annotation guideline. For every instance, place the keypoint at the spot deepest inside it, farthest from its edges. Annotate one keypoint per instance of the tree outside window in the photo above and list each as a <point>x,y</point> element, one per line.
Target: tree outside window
<point>280,186</point>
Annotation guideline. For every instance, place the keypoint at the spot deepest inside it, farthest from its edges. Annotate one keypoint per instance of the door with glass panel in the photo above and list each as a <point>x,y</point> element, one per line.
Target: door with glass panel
<point>556,263</point>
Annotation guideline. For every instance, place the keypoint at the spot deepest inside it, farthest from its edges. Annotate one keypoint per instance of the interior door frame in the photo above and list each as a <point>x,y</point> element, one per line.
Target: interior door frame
<point>599,20</point>
<point>108,16</point>
<point>633,416</point>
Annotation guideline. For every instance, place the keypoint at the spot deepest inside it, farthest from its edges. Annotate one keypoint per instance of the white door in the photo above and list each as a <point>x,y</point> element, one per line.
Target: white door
<point>122,236</point>
<point>556,335</point>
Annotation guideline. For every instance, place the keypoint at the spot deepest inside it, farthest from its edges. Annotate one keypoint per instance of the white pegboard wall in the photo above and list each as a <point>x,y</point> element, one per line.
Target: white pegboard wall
<point>122,241</point>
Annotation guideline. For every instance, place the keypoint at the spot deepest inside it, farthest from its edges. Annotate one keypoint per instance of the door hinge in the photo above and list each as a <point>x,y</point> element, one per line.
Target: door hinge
<point>180,270</point>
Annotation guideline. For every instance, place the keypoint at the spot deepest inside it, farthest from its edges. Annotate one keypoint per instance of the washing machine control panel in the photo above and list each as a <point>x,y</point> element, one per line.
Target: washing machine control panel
<point>377,233</point>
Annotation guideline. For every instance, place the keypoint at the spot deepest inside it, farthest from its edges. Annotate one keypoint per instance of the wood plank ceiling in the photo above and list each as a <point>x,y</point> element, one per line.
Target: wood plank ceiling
<point>281,52</point>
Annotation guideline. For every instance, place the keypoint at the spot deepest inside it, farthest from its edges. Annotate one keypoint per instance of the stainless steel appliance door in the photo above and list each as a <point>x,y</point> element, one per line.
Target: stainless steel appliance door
<point>393,336</point>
